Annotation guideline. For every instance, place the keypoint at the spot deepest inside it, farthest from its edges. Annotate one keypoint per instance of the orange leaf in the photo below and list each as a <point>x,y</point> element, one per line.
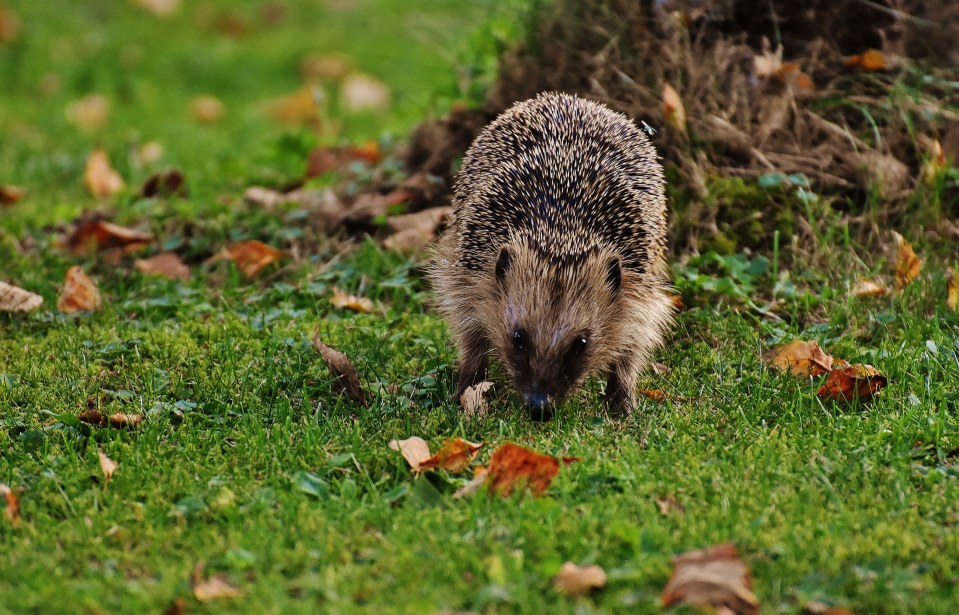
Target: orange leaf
<point>867,288</point>
<point>871,59</point>
<point>207,109</point>
<point>298,107</point>
<point>455,456</point>
<point>713,578</point>
<point>99,177</point>
<point>846,382</point>
<point>414,449</point>
<point>340,299</point>
<point>12,511</point>
<point>95,235</point>
<point>513,467</point>
<point>345,377</point>
<point>250,256</point>
<point>166,264</point>
<point>15,299</point>
<point>952,289</point>
<point>10,195</point>
<point>577,580</point>
<point>79,293</point>
<point>799,358</point>
<point>660,395</point>
<point>908,264</point>
<point>118,420</point>
<point>673,109</point>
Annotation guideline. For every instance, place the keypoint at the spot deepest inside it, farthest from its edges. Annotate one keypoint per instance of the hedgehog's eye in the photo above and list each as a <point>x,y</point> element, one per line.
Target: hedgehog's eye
<point>519,339</point>
<point>578,347</point>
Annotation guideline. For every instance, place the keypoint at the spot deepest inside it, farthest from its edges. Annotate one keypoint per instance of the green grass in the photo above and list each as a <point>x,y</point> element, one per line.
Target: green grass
<point>248,461</point>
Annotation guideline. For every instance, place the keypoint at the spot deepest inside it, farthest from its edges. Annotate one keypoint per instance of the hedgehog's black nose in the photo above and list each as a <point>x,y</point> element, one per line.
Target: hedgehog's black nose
<point>539,407</point>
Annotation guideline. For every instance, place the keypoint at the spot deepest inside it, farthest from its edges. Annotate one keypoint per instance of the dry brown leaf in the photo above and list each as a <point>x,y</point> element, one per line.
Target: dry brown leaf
<point>207,109</point>
<point>769,62</point>
<point>88,113</point>
<point>9,25</point>
<point>99,177</point>
<point>952,289</point>
<point>333,66</point>
<point>298,107</point>
<point>149,152</point>
<point>341,299</point>
<point>576,580</point>
<point>473,399</point>
<point>713,578</point>
<point>660,369</point>
<point>908,264</point>
<point>10,195</point>
<point>108,466</point>
<point>322,160</point>
<point>360,92</point>
<point>513,467</point>
<point>673,110</point>
<point>165,264</point>
<point>846,382</point>
<point>160,8</point>
<point>15,299</point>
<point>668,505</point>
<point>867,288</point>
<point>412,232</point>
<point>117,420</point>
<point>96,235</point>
<point>455,456</point>
<point>414,449</point>
<point>345,377</point>
<point>215,588</point>
<point>249,256</point>
<point>165,184</point>
<point>871,59</point>
<point>12,511</point>
<point>80,293</point>
<point>799,358</point>
<point>661,395</point>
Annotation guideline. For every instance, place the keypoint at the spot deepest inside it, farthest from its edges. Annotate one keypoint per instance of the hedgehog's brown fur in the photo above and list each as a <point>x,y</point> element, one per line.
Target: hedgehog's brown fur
<point>553,262</point>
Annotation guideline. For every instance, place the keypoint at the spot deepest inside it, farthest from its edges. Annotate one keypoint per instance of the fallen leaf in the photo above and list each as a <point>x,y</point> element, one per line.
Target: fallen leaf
<point>80,293</point>
<point>473,485</point>
<point>88,113</point>
<point>360,92</point>
<point>800,358</point>
<point>660,395</point>
<point>117,420</point>
<point>250,256</point>
<point>673,110</point>
<point>99,177</point>
<point>341,299</point>
<point>323,160</point>
<point>166,184</point>
<point>871,59</point>
<point>713,578</point>
<point>345,378</point>
<point>867,288</point>
<point>160,8</point>
<point>9,25</point>
<point>165,264</point>
<point>298,107</point>
<point>96,235</point>
<point>677,301</point>
<point>952,289</point>
<point>455,456</point>
<point>846,382</point>
<point>12,511</point>
<point>414,449</point>
<point>473,400</point>
<point>108,466</point>
<point>908,264</point>
<point>216,587</point>
<point>576,580</point>
<point>513,467</point>
<point>334,66</point>
<point>660,369</point>
<point>668,505</point>
<point>935,162</point>
<point>15,299</point>
<point>207,109</point>
<point>414,231</point>
<point>149,152</point>
<point>769,62</point>
<point>10,195</point>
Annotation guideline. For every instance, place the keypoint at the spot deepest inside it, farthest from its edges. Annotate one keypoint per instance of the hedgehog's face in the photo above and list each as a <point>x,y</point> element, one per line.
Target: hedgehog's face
<point>553,323</point>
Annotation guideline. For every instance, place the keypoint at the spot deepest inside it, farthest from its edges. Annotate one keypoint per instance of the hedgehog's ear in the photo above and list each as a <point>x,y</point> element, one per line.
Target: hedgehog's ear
<point>614,275</point>
<point>503,263</point>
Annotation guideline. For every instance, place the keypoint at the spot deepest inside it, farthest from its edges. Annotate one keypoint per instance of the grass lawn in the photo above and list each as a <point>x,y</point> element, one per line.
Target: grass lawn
<point>247,460</point>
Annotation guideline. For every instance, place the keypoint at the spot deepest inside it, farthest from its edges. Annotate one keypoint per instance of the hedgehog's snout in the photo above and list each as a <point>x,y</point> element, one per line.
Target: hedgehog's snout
<point>539,405</point>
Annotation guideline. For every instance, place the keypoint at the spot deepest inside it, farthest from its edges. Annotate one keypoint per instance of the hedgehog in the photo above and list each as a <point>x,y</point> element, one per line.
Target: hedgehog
<point>553,260</point>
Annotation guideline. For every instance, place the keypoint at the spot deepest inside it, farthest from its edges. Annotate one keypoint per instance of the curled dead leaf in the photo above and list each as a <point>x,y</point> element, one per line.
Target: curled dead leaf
<point>12,510</point>
<point>99,177</point>
<point>473,400</point>
<point>298,107</point>
<point>250,257</point>
<point>867,288</point>
<point>362,92</point>
<point>15,299</point>
<point>799,358</point>
<point>97,235</point>
<point>107,465</point>
<point>673,110</point>
<point>576,580</point>
<point>513,467</point>
<point>117,420</point>
<point>414,231</point>
<point>345,377</point>
<point>713,578</point>
<point>341,299</point>
<point>88,113</point>
<point>846,382</point>
<point>10,195</point>
<point>217,587</point>
<point>80,293</point>
<point>165,264</point>
<point>871,59</point>
<point>455,456</point>
<point>908,265</point>
<point>414,449</point>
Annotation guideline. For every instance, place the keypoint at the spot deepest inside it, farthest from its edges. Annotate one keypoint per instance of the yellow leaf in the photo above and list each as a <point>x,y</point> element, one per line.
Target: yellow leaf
<point>99,177</point>
<point>867,288</point>
<point>952,289</point>
<point>908,264</point>
<point>207,109</point>
<point>673,110</point>
<point>341,299</point>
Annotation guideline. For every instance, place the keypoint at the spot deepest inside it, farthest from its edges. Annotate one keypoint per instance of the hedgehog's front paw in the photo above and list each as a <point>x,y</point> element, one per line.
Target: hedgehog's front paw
<point>620,395</point>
